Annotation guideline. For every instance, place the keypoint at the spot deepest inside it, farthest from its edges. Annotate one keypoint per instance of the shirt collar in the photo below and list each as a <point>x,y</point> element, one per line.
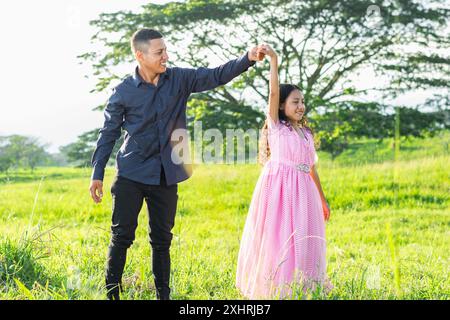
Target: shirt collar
<point>137,79</point>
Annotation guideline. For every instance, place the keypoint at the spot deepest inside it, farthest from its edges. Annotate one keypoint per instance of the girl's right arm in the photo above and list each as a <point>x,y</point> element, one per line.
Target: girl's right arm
<point>274,87</point>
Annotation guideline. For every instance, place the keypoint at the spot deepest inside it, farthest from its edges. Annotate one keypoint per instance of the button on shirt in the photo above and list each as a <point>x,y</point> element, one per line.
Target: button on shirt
<point>149,115</point>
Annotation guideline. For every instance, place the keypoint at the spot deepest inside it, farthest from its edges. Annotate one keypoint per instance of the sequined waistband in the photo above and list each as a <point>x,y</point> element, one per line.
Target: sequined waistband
<point>299,166</point>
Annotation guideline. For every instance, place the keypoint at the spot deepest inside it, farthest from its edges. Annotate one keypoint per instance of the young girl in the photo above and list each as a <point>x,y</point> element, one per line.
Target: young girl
<point>283,244</point>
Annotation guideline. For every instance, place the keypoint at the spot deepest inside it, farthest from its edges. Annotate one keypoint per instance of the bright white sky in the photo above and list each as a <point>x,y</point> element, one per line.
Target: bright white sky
<point>43,89</point>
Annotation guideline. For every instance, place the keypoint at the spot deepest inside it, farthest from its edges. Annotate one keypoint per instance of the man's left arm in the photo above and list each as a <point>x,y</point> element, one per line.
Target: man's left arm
<point>203,79</point>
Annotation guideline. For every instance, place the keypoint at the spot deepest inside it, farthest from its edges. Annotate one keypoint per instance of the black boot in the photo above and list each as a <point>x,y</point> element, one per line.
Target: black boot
<point>113,290</point>
<point>162,293</point>
<point>161,271</point>
<point>113,278</point>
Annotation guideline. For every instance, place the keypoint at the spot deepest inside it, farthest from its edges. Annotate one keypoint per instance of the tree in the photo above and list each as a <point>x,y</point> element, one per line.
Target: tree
<point>6,160</point>
<point>323,45</point>
<point>35,154</point>
<point>21,151</point>
<point>79,153</point>
<point>354,119</point>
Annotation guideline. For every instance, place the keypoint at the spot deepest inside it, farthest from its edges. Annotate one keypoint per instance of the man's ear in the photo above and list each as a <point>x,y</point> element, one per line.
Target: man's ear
<point>138,55</point>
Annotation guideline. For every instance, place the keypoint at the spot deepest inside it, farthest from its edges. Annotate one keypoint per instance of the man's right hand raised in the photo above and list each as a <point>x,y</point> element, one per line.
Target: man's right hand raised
<point>96,189</point>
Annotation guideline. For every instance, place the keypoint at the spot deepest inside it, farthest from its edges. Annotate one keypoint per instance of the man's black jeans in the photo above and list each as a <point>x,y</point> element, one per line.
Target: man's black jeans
<point>127,197</point>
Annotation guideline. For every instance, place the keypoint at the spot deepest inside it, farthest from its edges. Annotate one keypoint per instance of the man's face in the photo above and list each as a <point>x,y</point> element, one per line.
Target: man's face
<point>155,59</point>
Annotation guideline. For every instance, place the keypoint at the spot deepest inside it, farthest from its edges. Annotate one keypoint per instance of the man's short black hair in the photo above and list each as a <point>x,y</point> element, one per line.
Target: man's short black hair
<point>140,39</point>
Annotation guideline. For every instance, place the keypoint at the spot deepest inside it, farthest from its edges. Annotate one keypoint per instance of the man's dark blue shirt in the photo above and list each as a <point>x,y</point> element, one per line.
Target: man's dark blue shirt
<point>149,115</point>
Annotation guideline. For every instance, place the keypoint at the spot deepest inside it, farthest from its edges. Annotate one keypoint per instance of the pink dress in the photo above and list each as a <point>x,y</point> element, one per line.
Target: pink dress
<point>283,247</point>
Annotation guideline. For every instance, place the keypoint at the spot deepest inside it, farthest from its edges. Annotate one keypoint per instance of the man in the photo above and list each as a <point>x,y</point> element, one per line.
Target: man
<point>150,105</point>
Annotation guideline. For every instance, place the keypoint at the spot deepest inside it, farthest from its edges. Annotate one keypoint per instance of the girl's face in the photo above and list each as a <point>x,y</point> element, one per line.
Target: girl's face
<point>294,106</point>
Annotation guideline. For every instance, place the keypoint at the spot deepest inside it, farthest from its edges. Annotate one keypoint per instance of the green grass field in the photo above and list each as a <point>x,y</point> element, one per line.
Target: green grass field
<point>388,236</point>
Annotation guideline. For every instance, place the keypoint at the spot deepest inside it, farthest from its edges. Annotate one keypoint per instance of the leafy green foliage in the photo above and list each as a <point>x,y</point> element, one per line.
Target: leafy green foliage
<point>321,43</point>
<point>79,153</point>
<point>322,46</point>
<point>21,151</point>
<point>352,119</point>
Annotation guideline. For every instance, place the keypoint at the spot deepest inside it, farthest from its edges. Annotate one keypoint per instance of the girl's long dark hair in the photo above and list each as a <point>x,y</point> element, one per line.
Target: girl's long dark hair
<point>264,149</point>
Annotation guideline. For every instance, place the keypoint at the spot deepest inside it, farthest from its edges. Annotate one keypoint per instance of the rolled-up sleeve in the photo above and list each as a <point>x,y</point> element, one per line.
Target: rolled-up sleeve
<point>203,79</point>
<point>108,135</point>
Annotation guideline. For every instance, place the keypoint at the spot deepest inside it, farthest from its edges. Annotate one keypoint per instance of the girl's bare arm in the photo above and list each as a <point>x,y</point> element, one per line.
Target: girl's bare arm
<point>274,87</point>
